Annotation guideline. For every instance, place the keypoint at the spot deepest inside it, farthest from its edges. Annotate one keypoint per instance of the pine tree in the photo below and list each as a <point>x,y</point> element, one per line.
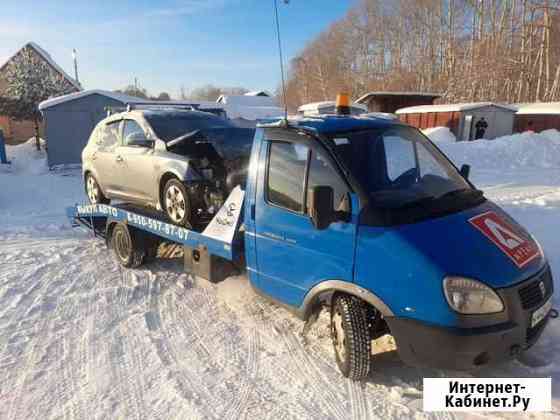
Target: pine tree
<point>30,80</point>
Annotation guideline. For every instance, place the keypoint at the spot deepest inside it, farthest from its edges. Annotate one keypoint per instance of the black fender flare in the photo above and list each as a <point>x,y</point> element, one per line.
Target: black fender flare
<point>329,286</point>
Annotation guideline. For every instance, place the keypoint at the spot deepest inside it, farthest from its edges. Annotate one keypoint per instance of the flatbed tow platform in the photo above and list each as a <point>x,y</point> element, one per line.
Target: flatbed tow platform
<point>134,233</point>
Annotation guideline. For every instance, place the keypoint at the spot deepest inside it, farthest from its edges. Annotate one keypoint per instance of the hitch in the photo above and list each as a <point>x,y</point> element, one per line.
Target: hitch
<point>553,313</point>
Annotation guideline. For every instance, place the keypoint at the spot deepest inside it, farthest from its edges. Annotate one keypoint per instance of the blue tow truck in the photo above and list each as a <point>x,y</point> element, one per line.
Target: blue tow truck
<point>364,216</point>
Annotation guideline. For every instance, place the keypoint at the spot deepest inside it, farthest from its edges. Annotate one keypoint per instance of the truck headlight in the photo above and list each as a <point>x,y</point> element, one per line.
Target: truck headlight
<point>469,296</point>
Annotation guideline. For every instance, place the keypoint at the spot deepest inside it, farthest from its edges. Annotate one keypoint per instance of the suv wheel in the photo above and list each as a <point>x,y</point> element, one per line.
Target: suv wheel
<point>350,336</point>
<point>176,202</point>
<point>94,193</point>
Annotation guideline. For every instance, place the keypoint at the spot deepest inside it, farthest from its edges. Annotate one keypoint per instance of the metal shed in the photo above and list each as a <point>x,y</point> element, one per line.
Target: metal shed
<point>461,119</point>
<point>70,119</point>
<point>389,102</point>
<point>537,117</point>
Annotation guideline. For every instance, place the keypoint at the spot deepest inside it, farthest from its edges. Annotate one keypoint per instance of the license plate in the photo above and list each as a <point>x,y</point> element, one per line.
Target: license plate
<point>541,313</point>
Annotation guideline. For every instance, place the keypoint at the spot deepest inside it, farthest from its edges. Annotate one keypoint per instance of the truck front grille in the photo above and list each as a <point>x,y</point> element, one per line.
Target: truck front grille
<point>532,295</point>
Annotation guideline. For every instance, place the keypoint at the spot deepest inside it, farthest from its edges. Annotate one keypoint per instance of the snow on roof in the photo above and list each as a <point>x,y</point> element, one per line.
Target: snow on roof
<point>121,97</point>
<point>550,108</point>
<point>46,56</point>
<point>244,100</point>
<point>423,109</point>
<point>125,99</point>
<point>235,111</point>
<point>384,93</point>
<point>317,106</point>
<point>258,93</point>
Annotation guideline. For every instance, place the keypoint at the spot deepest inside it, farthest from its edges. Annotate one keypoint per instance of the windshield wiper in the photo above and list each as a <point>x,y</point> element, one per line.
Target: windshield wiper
<point>475,193</point>
<point>420,202</point>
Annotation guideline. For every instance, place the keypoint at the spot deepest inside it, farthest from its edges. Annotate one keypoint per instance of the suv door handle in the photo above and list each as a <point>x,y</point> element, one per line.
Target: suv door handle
<point>119,158</point>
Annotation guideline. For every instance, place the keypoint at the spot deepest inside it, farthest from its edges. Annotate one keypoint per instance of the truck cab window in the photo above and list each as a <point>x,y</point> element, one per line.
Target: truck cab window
<point>286,174</point>
<point>321,172</point>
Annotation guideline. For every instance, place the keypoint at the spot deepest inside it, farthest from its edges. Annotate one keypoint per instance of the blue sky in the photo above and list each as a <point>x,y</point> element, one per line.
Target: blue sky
<point>166,43</point>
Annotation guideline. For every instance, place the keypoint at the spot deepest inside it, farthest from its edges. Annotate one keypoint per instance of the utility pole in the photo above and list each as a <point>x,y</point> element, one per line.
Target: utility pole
<point>75,58</point>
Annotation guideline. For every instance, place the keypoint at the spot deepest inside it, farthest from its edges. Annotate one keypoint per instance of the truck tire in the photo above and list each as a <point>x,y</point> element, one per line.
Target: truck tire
<point>176,203</point>
<point>351,336</point>
<point>125,247</point>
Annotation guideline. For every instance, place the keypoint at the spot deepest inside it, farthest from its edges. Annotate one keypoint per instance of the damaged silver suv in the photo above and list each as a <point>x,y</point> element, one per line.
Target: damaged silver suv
<point>182,162</point>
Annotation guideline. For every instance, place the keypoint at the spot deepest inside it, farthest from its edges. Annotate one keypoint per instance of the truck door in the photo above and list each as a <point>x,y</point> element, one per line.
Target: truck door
<point>293,256</point>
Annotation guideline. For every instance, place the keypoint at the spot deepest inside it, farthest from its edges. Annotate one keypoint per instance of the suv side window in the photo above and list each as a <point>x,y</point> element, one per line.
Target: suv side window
<point>109,136</point>
<point>321,172</point>
<point>286,175</point>
<point>131,127</point>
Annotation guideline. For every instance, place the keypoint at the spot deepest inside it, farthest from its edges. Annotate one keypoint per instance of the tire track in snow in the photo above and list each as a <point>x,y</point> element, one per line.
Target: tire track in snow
<point>311,375</point>
<point>239,405</point>
<point>30,299</point>
<point>301,372</point>
<point>166,330</point>
<point>357,399</point>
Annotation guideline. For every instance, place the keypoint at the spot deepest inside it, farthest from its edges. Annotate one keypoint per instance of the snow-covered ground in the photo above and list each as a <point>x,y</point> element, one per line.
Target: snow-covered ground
<point>81,337</point>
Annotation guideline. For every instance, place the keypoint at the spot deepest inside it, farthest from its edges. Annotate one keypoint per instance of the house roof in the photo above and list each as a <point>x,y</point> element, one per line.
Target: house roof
<point>423,109</point>
<point>46,56</point>
<point>246,100</point>
<point>367,96</point>
<point>539,108</point>
<point>121,97</point>
<point>258,93</point>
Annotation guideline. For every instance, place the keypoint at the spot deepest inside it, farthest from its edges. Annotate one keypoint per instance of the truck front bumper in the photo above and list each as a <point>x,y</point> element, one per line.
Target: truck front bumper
<point>474,343</point>
<point>424,345</point>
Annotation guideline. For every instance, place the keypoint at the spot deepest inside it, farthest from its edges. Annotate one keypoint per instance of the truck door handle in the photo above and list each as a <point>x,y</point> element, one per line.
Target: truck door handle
<point>119,158</point>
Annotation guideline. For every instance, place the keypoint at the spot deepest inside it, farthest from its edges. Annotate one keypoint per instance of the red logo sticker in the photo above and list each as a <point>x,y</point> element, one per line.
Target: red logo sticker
<point>513,243</point>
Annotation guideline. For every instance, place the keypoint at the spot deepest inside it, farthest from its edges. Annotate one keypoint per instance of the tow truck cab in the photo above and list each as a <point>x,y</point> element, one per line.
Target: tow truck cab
<point>367,215</point>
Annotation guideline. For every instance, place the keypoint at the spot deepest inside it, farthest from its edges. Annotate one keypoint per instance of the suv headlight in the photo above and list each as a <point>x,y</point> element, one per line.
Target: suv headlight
<point>469,296</point>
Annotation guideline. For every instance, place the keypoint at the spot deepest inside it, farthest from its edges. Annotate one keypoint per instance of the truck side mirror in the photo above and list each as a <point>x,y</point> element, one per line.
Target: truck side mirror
<point>465,171</point>
<point>321,206</point>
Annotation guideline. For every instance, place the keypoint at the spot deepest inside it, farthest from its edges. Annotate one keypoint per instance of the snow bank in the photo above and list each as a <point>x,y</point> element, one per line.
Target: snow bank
<point>440,135</point>
<point>26,159</point>
<point>519,151</point>
<point>32,198</point>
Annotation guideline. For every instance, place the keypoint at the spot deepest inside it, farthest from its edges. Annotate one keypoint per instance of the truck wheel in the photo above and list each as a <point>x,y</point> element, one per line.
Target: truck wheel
<point>176,202</point>
<point>93,192</point>
<point>125,248</point>
<point>351,337</point>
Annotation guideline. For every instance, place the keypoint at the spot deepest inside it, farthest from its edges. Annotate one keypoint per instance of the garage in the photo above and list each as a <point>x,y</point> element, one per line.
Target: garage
<point>70,119</point>
<point>462,119</point>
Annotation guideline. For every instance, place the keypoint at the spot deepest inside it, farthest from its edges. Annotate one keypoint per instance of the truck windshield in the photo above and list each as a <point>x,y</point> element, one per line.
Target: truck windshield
<point>400,169</point>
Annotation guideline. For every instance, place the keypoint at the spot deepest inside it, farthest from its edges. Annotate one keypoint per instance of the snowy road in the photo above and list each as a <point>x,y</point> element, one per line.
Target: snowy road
<point>81,337</point>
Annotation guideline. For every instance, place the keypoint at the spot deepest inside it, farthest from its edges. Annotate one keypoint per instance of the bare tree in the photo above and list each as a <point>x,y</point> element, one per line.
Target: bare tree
<point>466,50</point>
